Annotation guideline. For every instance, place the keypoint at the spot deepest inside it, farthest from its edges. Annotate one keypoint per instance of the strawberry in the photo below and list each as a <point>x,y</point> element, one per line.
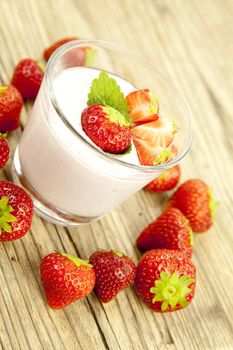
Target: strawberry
<point>50,50</point>
<point>153,141</point>
<point>65,279</point>
<point>16,211</point>
<point>158,133</point>
<point>166,181</point>
<point>194,198</point>
<point>4,150</point>
<point>171,230</point>
<point>114,272</point>
<point>79,56</point>
<point>165,280</point>
<point>149,154</point>
<point>143,106</point>
<point>107,128</point>
<point>27,78</point>
<point>11,103</point>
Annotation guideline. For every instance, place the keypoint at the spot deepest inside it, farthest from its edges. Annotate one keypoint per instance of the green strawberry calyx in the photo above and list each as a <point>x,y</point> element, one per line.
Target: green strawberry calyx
<point>41,66</point>
<point>190,232</point>
<point>154,106</point>
<point>3,135</point>
<point>174,126</point>
<point>171,290</point>
<point>162,157</point>
<point>116,252</point>
<point>3,89</point>
<point>115,116</point>
<point>77,261</point>
<point>5,215</point>
<point>90,57</point>
<point>213,204</point>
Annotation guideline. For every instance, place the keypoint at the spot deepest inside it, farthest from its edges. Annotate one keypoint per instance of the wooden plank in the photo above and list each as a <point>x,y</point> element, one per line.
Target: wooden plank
<point>191,43</point>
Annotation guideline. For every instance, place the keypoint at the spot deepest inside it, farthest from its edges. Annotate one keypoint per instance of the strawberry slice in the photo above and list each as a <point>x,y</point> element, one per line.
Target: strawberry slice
<point>160,132</point>
<point>143,106</point>
<point>150,154</point>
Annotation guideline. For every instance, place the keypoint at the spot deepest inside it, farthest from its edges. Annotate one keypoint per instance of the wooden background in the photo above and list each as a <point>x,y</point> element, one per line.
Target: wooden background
<point>191,42</point>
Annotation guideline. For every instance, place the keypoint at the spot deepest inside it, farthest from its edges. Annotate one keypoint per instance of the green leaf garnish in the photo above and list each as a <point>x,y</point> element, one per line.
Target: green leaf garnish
<point>104,90</point>
<point>5,215</point>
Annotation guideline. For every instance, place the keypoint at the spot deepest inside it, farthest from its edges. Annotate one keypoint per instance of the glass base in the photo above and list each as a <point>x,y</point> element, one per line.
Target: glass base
<point>42,207</point>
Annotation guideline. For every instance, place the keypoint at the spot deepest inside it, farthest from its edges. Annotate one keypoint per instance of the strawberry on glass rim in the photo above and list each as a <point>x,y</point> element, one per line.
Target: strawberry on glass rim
<point>152,134</point>
<point>151,154</point>
<point>143,106</point>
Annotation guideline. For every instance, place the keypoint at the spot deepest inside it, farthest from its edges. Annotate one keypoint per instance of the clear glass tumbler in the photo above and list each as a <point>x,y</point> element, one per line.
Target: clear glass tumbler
<point>71,181</point>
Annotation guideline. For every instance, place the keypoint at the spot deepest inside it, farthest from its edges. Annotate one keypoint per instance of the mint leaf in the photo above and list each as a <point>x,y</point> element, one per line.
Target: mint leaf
<point>104,90</point>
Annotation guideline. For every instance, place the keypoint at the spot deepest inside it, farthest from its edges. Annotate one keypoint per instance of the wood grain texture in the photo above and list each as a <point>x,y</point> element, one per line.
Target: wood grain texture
<point>191,42</point>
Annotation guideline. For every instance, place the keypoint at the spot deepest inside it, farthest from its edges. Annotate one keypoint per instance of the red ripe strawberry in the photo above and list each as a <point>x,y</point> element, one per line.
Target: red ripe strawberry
<point>65,279</point>
<point>11,103</point>
<point>114,272</point>
<point>194,198</point>
<point>107,128</point>
<point>149,154</point>
<point>79,56</point>
<point>166,181</point>
<point>27,78</point>
<point>4,150</point>
<point>153,141</point>
<point>16,211</point>
<point>143,106</point>
<point>165,280</point>
<point>50,50</point>
<point>158,133</point>
<point>171,230</point>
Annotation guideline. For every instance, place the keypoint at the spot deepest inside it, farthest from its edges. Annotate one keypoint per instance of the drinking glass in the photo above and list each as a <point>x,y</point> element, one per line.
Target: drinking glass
<point>71,181</point>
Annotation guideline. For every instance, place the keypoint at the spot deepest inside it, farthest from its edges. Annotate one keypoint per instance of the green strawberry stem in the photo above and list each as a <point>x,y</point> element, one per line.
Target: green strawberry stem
<point>4,135</point>
<point>77,261</point>
<point>90,57</point>
<point>164,155</point>
<point>41,66</point>
<point>3,89</point>
<point>213,204</point>
<point>5,216</point>
<point>116,252</point>
<point>171,290</point>
<point>153,107</point>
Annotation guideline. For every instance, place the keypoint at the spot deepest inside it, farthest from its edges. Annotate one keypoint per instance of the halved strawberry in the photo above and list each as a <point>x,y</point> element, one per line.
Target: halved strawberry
<point>154,141</point>
<point>143,106</point>
<point>150,154</point>
<point>159,132</point>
